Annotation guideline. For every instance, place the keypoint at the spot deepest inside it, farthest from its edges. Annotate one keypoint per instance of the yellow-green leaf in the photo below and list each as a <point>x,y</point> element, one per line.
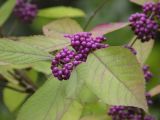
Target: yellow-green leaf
<point>53,99</point>
<point>58,28</point>
<point>13,99</point>
<point>60,12</point>
<point>143,49</point>
<point>45,43</point>
<point>115,76</point>
<point>14,52</point>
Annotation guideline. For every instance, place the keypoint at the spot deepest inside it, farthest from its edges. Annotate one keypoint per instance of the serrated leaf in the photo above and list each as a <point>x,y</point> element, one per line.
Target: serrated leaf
<point>74,112</point>
<point>53,99</point>
<point>143,49</point>
<point>60,12</point>
<point>107,28</point>
<point>116,77</point>
<point>14,52</point>
<point>58,28</point>
<point>141,2</point>
<point>6,10</point>
<point>45,43</point>
<point>13,99</point>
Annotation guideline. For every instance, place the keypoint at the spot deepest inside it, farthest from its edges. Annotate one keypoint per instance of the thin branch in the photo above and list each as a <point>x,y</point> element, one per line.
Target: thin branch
<point>135,39</point>
<point>24,81</point>
<point>12,88</point>
<point>94,13</point>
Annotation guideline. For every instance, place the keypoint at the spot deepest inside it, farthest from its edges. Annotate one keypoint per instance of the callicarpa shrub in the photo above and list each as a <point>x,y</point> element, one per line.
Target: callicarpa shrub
<point>145,25</point>
<point>25,11</point>
<point>66,60</point>
<point>87,76</point>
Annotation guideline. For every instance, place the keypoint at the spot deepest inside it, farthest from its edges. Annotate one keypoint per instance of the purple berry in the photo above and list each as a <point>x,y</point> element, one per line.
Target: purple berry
<point>143,27</point>
<point>131,49</point>
<point>26,12</point>
<point>147,74</point>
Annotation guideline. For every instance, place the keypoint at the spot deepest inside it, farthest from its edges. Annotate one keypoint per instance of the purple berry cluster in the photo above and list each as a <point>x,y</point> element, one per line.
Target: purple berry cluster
<point>130,113</point>
<point>83,43</point>
<point>147,73</point>
<point>152,9</point>
<point>145,25</point>
<point>66,60</point>
<point>26,12</point>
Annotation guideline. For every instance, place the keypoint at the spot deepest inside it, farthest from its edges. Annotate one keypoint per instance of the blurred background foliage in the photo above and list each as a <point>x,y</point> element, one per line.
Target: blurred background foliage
<point>113,11</point>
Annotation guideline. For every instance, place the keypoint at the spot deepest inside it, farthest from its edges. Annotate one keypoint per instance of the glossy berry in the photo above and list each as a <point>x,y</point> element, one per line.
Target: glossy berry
<point>66,60</point>
<point>143,27</point>
<point>26,12</point>
<point>149,8</point>
<point>147,73</point>
<point>83,43</point>
<point>129,113</point>
<point>63,64</point>
<point>131,49</point>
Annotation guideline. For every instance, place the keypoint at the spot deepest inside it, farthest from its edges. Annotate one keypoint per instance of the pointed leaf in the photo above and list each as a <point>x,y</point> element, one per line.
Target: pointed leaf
<point>45,43</point>
<point>60,12</point>
<point>20,53</point>
<point>143,50</point>
<point>6,10</point>
<point>53,99</point>
<point>116,77</point>
<point>107,28</point>
<point>58,28</point>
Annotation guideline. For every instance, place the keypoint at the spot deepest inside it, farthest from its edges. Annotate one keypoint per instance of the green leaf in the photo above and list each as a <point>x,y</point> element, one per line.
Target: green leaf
<point>143,50</point>
<point>58,28</point>
<point>115,76</point>
<point>53,99</point>
<point>60,12</point>
<point>74,112</point>
<point>13,99</point>
<point>6,10</point>
<point>20,53</point>
<point>107,28</point>
<point>4,71</point>
<point>141,2</point>
<point>43,67</point>
<point>45,43</point>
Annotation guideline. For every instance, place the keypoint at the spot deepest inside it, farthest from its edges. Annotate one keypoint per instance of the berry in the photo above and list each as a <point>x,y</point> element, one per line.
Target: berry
<point>66,60</point>
<point>143,27</point>
<point>131,49</point>
<point>147,74</point>
<point>83,43</point>
<point>26,12</point>
<point>129,113</point>
<point>63,64</point>
<point>149,8</point>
